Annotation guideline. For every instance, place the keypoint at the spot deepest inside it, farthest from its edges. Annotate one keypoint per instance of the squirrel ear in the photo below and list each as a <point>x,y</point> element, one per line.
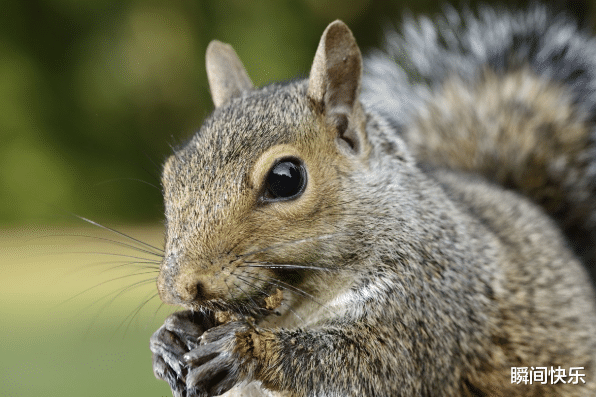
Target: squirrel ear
<point>334,81</point>
<point>226,75</point>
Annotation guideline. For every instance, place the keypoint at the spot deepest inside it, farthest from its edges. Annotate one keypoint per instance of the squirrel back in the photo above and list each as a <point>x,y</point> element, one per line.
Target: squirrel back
<point>379,244</point>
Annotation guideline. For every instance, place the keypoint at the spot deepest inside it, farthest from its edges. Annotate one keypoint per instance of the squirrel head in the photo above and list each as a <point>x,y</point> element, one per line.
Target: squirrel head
<point>258,191</point>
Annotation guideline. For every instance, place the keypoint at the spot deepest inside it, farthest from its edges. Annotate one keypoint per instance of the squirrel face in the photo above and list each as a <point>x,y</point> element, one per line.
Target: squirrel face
<point>255,191</point>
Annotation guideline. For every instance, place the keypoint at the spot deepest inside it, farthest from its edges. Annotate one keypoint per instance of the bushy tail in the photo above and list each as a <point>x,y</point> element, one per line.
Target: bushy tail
<point>511,96</point>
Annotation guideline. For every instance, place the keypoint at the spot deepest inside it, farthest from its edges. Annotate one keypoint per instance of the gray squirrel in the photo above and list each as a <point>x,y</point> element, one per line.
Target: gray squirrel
<point>417,226</point>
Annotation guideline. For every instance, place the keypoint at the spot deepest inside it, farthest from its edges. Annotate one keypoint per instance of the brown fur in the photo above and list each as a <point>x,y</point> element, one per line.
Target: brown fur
<point>434,282</point>
<point>514,129</point>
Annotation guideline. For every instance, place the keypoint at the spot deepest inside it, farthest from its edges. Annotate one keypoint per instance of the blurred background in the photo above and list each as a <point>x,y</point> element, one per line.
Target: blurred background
<point>93,96</point>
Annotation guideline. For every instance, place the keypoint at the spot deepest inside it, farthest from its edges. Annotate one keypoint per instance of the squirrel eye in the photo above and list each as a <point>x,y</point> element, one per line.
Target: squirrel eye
<point>286,180</point>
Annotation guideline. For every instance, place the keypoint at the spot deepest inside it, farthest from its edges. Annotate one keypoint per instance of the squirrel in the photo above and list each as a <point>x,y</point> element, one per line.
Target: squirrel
<point>417,223</point>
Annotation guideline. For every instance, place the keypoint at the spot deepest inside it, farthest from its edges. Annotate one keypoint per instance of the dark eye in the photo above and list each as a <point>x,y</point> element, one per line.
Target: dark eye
<point>286,179</point>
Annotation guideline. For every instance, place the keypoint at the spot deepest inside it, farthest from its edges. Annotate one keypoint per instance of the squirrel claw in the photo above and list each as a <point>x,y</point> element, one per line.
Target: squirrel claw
<point>214,367</point>
<point>161,370</point>
<point>179,334</point>
<point>215,377</point>
<point>166,346</point>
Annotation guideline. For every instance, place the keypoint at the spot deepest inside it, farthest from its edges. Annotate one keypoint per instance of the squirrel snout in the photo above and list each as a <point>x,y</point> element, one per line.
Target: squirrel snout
<point>191,292</point>
<point>181,289</point>
<point>186,283</point>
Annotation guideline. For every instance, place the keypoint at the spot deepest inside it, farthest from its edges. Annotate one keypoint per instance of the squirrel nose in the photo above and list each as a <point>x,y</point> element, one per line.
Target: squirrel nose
<point>191,292</point>
<point>182,288</point>
<point>189,281</point>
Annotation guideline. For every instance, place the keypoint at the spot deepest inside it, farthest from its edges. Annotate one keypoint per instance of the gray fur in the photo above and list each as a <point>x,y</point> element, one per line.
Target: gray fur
<point>400,81</point>
<point>422,278</point>
<point>427,51</point>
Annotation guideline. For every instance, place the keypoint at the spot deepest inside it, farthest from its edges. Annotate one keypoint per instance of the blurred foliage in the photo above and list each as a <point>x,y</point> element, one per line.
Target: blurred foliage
<point>94,93</point>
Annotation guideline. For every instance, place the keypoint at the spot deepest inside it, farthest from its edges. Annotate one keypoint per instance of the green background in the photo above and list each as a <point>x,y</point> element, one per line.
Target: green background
<point>93,95</point>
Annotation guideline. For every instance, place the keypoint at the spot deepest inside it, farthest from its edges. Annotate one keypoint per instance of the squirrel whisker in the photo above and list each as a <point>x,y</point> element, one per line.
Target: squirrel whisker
<point>152,295</point>
<point>105,282</point>
<point>285,243</point>
<point>157,250</point>
<point>109,302</point>
<point>246,294</point>
<point>290,287</point>
<point>271,265</point>
<point>135,264</point>
<point>119,243</point>
<point>110,254</point>
<point>129,179</point>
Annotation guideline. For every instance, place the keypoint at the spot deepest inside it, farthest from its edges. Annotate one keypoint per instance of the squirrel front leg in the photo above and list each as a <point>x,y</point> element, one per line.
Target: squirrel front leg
<point>325,361</point>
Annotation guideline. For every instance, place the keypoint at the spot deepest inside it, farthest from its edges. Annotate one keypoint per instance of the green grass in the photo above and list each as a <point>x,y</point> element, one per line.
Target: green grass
<point>51,345</point>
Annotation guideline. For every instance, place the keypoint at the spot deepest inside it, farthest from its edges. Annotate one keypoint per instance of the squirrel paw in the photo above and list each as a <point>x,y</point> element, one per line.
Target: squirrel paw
<point>179,334</point>
<point>215,366</point>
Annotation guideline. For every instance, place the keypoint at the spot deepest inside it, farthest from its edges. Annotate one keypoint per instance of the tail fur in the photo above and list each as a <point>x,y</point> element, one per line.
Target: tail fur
<point>510,96</point>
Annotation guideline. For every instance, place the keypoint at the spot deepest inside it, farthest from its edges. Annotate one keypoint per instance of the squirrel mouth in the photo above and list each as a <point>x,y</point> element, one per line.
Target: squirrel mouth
<point>258,305</point>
